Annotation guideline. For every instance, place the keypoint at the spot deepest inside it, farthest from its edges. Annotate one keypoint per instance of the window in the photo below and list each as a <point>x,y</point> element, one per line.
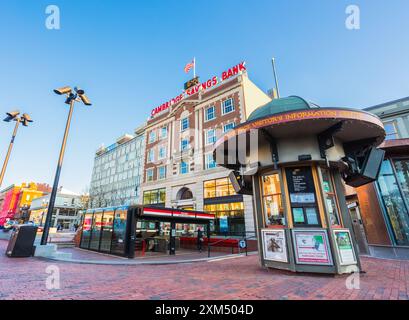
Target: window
<point>272,200</point>
<point>162,173</point>
<point>210,136</point>
<point>209,161</point>
<point>303,200</point>
<point>156,197</point>
<point>162,152</point>
<point>151,155</point>
<point>228,127</point>
<point>396,210</point>
<point>227,106</point>
<point>119,232</point>
<point>96,231</point>
<point>210,113</point>
<point>149,175</point>
<point>218,188</point>
<point>163,132</point>
<point>152,137</point>
<point>391,130</point>
<point>184,144</point>
<point>184,124</point>
<point>183,168</point>
<point>229,218</point>
<point>330,199</point>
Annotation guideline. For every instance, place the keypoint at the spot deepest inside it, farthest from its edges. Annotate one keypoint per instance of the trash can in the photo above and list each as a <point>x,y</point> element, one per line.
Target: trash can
<point>21,243</point>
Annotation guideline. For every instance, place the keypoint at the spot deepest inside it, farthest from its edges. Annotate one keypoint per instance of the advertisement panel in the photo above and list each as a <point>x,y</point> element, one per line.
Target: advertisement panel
<point>312,247</point>
<point>344,246</point>
<point>274,245</point>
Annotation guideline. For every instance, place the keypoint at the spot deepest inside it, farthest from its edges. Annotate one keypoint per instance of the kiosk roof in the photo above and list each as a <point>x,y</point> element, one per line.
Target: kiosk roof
<point>281,105</point>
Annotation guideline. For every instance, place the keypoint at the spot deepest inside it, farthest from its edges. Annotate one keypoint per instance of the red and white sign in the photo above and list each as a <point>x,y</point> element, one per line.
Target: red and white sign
<point>200,87</point>
<point>177,213</point>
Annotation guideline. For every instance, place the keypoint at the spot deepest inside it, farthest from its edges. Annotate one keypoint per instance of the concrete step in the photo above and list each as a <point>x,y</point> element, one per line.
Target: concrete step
<point>70,244</point>
<point>47,250</point>
<point>62,255</point>
<point>50,251</point>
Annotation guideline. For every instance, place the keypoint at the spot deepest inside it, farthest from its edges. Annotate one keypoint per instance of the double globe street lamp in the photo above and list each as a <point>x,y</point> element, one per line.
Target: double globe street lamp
<point>24,120</point>
<point>78,95</point>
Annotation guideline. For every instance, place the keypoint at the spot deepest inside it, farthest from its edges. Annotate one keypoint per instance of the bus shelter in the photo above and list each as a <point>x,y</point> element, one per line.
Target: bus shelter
<point>125,230</point>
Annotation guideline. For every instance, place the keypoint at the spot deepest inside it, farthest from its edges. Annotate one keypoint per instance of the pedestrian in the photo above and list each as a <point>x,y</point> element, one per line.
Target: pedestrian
<point>199,239</point>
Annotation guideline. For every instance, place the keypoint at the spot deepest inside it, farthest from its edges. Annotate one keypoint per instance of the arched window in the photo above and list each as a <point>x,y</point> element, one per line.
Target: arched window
<point>184,194</point>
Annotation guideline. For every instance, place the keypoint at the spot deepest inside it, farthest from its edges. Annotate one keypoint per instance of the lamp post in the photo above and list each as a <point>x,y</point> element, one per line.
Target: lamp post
<point>77,96</point>
<point>13,116</point>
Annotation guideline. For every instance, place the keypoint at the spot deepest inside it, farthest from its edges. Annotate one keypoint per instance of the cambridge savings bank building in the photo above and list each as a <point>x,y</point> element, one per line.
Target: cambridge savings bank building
<point>180,171</point>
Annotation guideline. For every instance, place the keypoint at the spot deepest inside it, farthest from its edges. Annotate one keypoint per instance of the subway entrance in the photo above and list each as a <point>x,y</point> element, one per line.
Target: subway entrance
<point>143,231</point>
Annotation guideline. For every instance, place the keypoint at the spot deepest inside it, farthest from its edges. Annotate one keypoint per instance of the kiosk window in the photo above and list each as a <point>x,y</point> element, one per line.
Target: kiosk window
<point>329,195</point>
<point>119,232</point>
<point>107,222</point>
<point>96,231</point>
<point>86,230</point>
<point>272,201</point>
<point>302,196</point>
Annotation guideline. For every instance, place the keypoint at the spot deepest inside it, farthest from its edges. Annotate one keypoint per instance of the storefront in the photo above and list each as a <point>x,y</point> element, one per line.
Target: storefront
<point>134,230</point>
<point>227,206</point>
<point>384,205</point>
<point>293,157</point>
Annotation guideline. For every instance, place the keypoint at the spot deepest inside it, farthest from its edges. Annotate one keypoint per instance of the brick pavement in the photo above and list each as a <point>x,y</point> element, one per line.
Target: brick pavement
<point>239,278</point>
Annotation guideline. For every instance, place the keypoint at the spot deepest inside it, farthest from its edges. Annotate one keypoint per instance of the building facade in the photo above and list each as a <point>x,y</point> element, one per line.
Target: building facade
<point>15,200</point>
<point>66,213</point>
<point>117,172</point>
<point>179,170</point>
<point>383,206</point>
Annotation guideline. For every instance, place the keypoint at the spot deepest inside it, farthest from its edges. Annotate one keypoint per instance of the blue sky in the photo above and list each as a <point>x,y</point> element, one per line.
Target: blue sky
<point>129,56</point>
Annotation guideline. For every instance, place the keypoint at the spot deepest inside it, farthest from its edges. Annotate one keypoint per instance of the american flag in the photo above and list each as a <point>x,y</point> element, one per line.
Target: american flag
<point>189,66</point>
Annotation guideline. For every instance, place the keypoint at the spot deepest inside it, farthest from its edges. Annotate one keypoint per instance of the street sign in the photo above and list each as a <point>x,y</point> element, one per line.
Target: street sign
<point>242,244</point>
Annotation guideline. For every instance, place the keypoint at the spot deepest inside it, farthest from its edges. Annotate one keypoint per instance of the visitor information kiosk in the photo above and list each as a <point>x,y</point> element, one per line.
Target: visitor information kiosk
<point>294,158</point>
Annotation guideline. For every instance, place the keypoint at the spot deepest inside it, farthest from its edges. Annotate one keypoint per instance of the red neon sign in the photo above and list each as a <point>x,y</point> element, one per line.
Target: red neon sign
<point>203,86</point>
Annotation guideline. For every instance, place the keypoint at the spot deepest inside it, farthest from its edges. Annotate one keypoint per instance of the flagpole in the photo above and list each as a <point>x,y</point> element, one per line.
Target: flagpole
<point>194,67</point>
<point>275,76</point>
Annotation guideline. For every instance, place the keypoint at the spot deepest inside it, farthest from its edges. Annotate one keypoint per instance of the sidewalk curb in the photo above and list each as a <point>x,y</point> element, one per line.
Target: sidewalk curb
<point>137,263</point>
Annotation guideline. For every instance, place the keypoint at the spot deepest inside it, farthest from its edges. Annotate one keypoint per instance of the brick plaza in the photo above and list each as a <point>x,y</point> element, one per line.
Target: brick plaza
<point>233,278</point>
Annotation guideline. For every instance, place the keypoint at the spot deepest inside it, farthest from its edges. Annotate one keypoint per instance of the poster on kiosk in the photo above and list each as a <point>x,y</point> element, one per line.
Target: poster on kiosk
<point>274,245</point>
<point>312,247</point>
<point>345,249</point>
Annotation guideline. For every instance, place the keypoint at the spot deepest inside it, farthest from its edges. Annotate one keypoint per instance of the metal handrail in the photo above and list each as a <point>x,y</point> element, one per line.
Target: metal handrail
<point>209,245</point>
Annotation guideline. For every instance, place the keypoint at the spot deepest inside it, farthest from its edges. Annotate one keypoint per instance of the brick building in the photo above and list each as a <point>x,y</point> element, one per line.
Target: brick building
<point>179,170</point>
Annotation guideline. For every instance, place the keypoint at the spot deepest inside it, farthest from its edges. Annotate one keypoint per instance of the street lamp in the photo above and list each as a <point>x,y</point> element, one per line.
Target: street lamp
<point>78,95</point>
<point>13,116</point>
